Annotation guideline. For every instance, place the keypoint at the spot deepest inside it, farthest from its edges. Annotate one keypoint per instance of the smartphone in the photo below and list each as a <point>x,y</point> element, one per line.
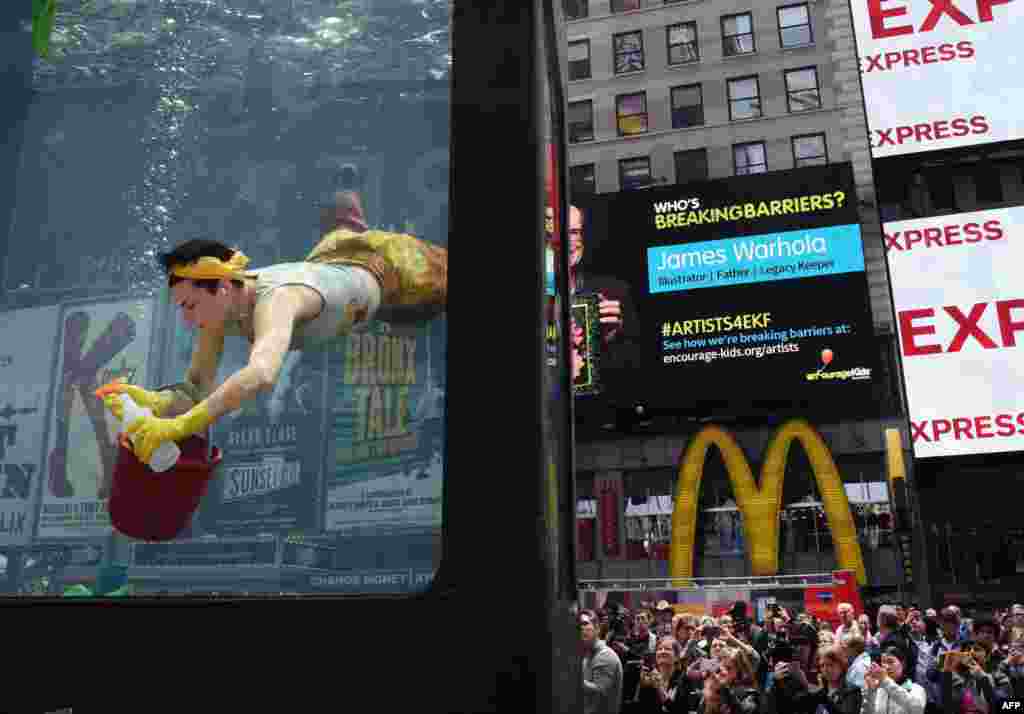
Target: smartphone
<point>650,661</point>
<point>712,631</point>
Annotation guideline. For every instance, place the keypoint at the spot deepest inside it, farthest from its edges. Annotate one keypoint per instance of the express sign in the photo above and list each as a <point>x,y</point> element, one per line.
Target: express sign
<point>934,72</point>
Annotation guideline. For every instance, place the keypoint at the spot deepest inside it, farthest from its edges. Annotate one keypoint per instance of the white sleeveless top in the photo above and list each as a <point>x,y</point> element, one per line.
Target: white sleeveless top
<point>350,298</point>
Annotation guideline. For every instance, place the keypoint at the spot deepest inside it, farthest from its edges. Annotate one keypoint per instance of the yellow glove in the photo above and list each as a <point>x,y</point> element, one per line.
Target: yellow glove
<point>158,402</point>
<point>146,434</point>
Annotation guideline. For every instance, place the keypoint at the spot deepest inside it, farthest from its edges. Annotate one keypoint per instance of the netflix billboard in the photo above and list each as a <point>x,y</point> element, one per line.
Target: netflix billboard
<point>940,74</point>
<point>959,306</point>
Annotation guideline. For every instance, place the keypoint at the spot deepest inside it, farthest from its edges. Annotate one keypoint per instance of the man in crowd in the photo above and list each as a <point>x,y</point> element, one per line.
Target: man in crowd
<point>860,661</point>
<point>664,613</point>
<point>1012,668</point>
<point>949,639</point>
<point>986,633</point>
<point>602,670</point>
<point>845,612</point>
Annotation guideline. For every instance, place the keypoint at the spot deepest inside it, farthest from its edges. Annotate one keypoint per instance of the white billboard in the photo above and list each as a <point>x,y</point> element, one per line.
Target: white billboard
<point>959,305</point>
<point>27,340</point>
<point>940,74</point>
<point>97,342</point>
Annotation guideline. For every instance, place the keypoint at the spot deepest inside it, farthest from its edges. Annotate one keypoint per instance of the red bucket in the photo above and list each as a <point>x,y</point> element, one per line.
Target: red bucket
<point>158,506</point>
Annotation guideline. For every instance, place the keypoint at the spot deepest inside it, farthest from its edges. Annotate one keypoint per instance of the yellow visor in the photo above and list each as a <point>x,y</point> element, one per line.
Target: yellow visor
<point>210,268</point>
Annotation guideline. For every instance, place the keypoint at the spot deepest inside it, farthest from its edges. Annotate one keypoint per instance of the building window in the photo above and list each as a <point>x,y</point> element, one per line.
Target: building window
<point>579,60</point>
<point>809,150</point>
<point>687,106</point>
<point>582,179</point>
<point>749,158</point>
<point>795,26</point>
<point>581,121</point>
<point>629,52</point>
<point>635,173</point>
<point>682,43</point>
<point>737,35</point>
<point>576,9</point>
<point>802,91</point>
<point>691,165</point>
<point>631,113</point>
<point>988,182</point>
<point>625,5</point>
<point>744,98</point>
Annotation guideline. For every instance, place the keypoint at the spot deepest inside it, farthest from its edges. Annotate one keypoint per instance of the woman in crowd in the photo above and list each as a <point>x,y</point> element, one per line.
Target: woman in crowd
<point>967,686</point>
<point>834,695</point>
<point>704,664</point>
<point>664,689</point>
<point>870,640</point>
<point>731,689</point>
<point>888,690</point>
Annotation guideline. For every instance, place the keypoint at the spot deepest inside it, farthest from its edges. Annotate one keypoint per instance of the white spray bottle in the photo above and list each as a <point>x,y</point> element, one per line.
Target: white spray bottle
<point>167,454</point>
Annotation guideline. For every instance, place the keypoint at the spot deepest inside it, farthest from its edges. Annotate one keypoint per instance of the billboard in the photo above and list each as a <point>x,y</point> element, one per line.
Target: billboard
<point>385,433</point>
<point>737,290</point>
<point>939,74</point>
<point>960,309</point>
<point>760,501</point>
<point>97,343</point>
<point>27,338</point>
<point>269,480</point>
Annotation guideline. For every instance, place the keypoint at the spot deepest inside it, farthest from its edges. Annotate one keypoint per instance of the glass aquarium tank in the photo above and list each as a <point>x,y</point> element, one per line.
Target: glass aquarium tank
<point>267,127</point>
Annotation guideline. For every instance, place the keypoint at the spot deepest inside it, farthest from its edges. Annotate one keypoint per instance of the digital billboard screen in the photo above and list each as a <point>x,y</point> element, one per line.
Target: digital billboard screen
<point>960,311</point>
<point>746,291</point>
<point>939,75</point>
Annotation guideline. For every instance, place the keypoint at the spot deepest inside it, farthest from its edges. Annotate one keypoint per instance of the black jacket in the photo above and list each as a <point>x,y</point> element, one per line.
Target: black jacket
<point>739,700</point>
<point>647,699</point>
<point>845,700</point>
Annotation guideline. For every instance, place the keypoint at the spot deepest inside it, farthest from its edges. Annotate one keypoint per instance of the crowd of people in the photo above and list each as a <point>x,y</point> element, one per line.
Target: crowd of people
<point>901,661</point>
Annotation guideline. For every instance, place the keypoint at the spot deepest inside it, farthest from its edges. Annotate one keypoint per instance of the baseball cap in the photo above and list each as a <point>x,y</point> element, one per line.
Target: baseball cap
<point>663,605</point>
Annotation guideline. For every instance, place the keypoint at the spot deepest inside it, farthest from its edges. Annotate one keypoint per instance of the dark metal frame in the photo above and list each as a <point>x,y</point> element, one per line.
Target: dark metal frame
<point>590,64</point>
<point>619,117</point>
<point>675,163</point>
<point>789,92</point>
<point>730,100</point>
<point>672,106</point>
<point>792,143</point>
<point>669,45</point>
<point>593,172</point>
<point>569,123</point>
<point>615,52</point>
<point>753,40</point>
<point>736,168</point>
<point>622,163</point>
<point>809,25</point>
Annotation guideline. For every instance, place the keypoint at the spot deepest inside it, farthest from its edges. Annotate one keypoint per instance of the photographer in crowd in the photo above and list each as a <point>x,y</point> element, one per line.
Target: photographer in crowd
<point>834,695</point>
<point>793,666</point>
<point>889,690</point>
<point>731,688</point>
<point>966,685</point>
<point>663,688</point>
<point>1012,669</point>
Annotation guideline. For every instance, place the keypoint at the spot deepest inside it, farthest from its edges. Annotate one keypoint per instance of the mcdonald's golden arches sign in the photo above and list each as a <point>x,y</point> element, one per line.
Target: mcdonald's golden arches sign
<point>760,504</point>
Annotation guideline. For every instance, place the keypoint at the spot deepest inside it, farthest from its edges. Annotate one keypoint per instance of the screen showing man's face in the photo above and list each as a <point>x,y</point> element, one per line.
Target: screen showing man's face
<point>575,235</point>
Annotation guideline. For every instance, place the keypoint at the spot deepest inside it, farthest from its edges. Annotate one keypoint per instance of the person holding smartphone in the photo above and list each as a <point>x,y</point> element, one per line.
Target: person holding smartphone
<point>833,694</point>
<point>1012,668</point>
<point>888,689</point>
<point>967,688</point>
<point>663,688</point>
<point>730,689</point>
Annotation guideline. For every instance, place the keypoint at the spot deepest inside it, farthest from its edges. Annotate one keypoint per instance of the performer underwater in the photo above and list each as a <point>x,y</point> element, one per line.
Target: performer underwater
<point>353,276</point>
